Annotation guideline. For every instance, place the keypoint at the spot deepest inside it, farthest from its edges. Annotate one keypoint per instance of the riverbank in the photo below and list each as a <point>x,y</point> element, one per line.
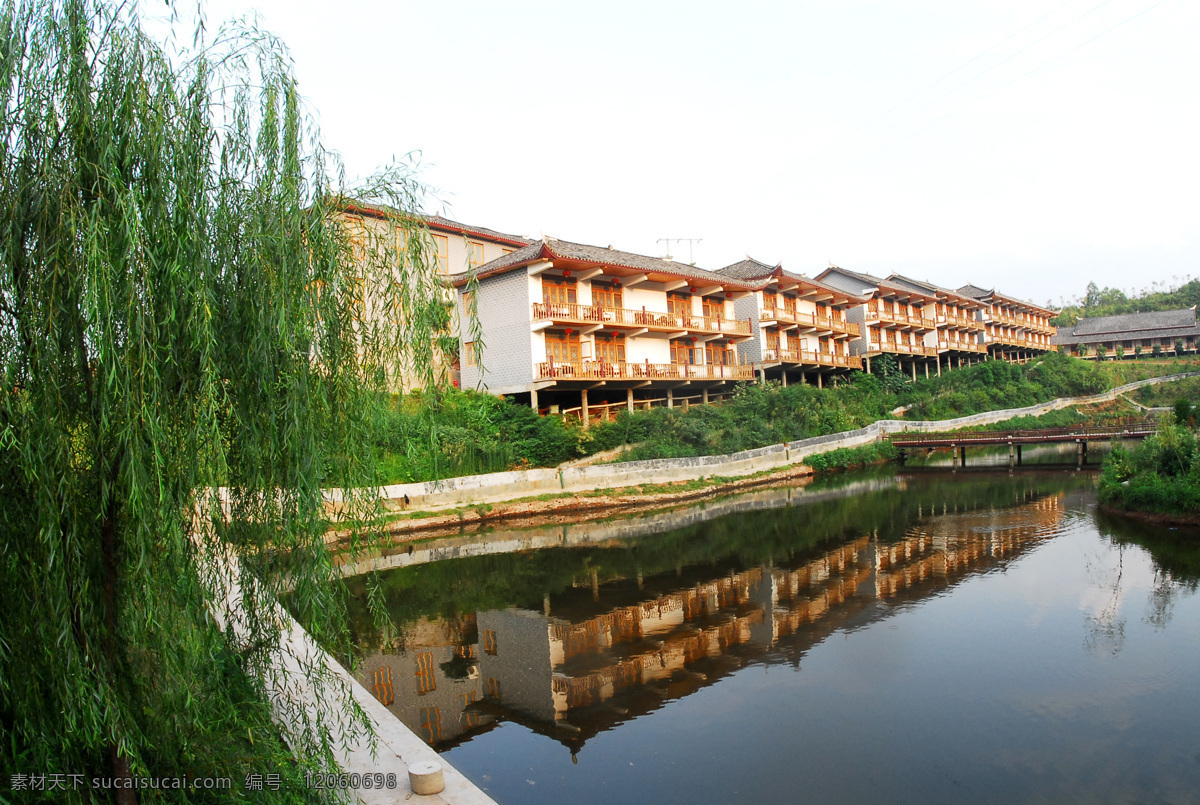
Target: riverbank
<point>570,507</point>
<point>1155,518</point>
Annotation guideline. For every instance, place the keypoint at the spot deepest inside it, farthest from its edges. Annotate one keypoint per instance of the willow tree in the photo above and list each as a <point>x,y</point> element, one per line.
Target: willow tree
<point>181,310</point>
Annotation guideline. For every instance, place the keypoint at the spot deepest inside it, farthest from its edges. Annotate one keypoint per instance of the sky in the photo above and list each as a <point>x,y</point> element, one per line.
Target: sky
<point>1030,147</point>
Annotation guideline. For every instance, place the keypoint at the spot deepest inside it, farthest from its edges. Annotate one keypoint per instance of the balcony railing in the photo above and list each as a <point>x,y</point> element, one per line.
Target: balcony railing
<point>961,346</point>
<point>809,320</point>
<point>897,317</point>
<point>811,358</point>
<point>603,370</point>
<point>902,349</point>
<point>969,322</point>
<point>651,319</point>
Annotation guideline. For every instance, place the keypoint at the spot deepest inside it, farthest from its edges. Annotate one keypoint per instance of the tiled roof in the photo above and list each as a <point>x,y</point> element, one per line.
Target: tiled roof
<point>866,279</point>
<point>438,222</point>
<point>553,249</point>
<point>975,292</point>
<point>1130,322</point>
<point>928,287</point>
<point>748,269</point>
<point>751,269</point>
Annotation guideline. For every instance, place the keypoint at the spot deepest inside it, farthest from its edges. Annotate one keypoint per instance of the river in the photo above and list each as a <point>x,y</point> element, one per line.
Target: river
<point>908,634</point>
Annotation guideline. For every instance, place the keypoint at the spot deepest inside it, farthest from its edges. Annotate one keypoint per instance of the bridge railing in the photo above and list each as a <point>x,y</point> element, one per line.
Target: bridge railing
<point>1130,426</point>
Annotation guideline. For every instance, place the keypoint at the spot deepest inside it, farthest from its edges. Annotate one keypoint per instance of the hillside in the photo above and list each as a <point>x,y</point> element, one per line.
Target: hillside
<point>1113,301</point>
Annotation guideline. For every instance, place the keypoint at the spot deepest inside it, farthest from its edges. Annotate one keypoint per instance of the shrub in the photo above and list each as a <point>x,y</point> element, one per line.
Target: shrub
<point>1157,351</point>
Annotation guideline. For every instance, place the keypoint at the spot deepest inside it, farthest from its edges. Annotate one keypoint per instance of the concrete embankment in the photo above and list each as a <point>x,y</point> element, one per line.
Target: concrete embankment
<point>476,490</point>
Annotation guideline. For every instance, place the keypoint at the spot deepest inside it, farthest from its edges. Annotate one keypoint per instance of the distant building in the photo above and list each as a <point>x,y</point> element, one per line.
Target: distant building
<point>561,320</point>
<point>1016,330</point>
<point>1171,331</point>
<point>798,325</point>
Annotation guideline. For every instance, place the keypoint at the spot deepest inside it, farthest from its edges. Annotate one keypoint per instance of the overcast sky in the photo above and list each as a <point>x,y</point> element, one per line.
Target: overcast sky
<point>1027,146</point>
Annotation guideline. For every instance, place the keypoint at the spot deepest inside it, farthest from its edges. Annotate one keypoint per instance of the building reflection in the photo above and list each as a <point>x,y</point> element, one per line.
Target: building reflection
<point>600,655</point>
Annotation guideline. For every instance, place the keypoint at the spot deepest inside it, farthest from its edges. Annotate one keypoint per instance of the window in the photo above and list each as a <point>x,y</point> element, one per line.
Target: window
<point>789,306</point>
<point>470,718</point>
<point>714,308</point>
<point>431,725</point>
<point>474,254</point>
<point>679,305</point>
<point>426,683</point>
<point>558,291</point>
<point>493,688</point>
<point>718,353</point>
<point>441,245</point>
<point>469,356</point>
<point>606,296</point>
<point>468,299</point>
<point>382,686</point>
<point>489,641</point>
<point>773,340</point>
<point>770,301</point>
<point>683,352</point>
<point>562,348</point>
<point>610,348</point>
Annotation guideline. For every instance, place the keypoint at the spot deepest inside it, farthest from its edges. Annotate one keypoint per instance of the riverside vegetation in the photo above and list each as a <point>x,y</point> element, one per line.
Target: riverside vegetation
<point>1161,475</point>
<point>422,437</point>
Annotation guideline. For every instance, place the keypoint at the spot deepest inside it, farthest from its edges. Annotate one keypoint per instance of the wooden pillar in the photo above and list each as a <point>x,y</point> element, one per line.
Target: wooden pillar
<point>783,374</point>
<point>939,366</point>
<point>629,399</point>
<point>583,408</point>
<point>670,398</point>
<point>533,399</point>
<point>868,366</point>
<point>685,405</point>
<point>820,383</point>
<point>926,370</point>
<point>703,396</point>
<point>914,371</point>
<point>1018,455</point>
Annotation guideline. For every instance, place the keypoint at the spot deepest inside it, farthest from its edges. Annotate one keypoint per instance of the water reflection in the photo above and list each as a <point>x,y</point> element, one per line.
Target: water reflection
<point>616,619</point>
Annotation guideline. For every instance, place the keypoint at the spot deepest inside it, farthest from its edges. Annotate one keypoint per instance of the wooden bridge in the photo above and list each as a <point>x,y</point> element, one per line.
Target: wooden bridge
<point>1015,439</point>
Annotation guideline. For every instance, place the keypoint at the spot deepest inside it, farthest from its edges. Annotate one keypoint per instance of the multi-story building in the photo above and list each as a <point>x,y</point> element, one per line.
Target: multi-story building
<point>457,248</point>
<point>1166,332</point>
<point>1015,330</point>
<point>561,320</point>
<point>895,319</point>
<point>959,337</point>
<point>798,325</point>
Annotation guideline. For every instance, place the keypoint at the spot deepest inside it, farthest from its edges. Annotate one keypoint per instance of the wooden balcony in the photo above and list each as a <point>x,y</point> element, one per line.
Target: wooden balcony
<point>966,322</point>
<point>902,349</point>
<point>896,317</point>
<point>810,320</point>
<point>635,319</point>
<point>603,370</point>
<point>961,346</point>
<point>810,358</point>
